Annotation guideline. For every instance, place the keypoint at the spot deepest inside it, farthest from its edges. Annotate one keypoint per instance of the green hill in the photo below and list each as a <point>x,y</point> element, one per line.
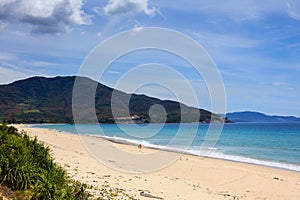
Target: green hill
<point>49,100</point>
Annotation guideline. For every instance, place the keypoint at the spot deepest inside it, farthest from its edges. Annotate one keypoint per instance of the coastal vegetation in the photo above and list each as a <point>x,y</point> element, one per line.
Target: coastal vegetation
<point>29,172</point>
<point>49,100</point>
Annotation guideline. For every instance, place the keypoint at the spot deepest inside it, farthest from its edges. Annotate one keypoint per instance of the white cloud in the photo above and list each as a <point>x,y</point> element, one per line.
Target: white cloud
<point>294,9</point>
<point>44,16</point>
<point>10,73</point>
<point>137,28</point>
<point>276,83</point>
<point>2,25</point>
<point>117,7</point>
<point>99,34</point>
<point>97,10</point>
<point>226,40</point>
<point>7,56</point>
<point>40,63</point>
<point>6,2</point>
<point>114,72</point>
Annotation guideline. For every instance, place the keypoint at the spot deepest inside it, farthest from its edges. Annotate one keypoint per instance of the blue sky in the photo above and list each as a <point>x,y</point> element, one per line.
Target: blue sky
<point>255,44</point>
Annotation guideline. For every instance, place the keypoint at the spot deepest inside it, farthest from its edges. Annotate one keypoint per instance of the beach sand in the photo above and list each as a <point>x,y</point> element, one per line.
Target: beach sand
<point>190,177</point>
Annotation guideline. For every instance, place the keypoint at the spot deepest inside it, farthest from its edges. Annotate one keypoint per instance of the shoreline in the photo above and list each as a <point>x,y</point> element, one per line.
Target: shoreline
<point>182,152</point>
<point>234,158</point>
<point>207,185</point>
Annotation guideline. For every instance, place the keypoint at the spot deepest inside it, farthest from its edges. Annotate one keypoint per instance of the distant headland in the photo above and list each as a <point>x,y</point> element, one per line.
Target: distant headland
<point>249,116</point>
<point>49,100</point>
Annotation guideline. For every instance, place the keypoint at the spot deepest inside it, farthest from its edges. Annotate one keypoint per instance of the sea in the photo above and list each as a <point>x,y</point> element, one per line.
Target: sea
<point>269,144</point>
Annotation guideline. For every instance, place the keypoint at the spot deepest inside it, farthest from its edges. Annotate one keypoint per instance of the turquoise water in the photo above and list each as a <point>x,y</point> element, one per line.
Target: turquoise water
<point>269,144</point>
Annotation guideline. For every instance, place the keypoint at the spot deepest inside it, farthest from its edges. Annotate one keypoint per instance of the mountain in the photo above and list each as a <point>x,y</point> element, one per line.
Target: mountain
<point>248,116</point>
<point>49,100</point>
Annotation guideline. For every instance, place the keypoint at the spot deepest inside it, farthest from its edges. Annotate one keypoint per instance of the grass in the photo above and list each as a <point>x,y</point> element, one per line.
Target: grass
<point>27,167</point>
<point>31,111</point>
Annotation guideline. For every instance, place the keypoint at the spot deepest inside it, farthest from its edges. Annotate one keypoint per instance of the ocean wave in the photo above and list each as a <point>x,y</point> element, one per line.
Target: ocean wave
<point>197,151</point>
<point>130,141</point>
<point>212,152</point>
<point>267,163</point>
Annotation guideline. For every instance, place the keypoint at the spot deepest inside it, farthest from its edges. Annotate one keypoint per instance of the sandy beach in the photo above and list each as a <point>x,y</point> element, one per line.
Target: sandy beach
<point>187,178</point>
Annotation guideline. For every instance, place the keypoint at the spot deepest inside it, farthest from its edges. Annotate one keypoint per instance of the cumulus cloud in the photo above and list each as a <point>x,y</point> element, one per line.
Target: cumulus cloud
<point>117,7</point>
<point>44,16</point>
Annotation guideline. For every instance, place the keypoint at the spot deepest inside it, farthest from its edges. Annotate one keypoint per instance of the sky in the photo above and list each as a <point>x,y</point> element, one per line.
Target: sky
<point>254,44</point>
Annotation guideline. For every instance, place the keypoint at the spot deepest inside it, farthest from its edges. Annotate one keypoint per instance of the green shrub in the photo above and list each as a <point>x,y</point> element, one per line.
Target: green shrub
<point>26,165</point>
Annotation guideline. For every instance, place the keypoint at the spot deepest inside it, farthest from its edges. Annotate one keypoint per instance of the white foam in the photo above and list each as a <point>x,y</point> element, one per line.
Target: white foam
<point>210,152</point>
<point>268,163</point>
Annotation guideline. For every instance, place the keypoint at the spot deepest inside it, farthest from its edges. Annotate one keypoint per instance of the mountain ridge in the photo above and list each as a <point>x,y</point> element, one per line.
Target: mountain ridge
<point>253,116</point>
<point>49,100</point>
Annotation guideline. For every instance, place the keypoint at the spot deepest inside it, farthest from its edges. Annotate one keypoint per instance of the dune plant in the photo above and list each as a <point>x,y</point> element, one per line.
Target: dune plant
<point>26,165</point>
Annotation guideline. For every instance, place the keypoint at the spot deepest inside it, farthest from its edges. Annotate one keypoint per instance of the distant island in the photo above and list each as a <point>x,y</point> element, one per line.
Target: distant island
<point>248,116</point>
<point>49,100</point>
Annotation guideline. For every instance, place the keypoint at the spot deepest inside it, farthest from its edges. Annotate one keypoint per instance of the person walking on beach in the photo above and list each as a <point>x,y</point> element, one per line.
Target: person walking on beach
<point>140,147</point>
